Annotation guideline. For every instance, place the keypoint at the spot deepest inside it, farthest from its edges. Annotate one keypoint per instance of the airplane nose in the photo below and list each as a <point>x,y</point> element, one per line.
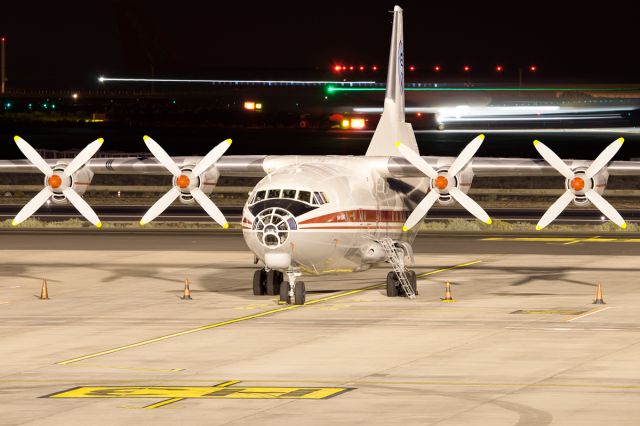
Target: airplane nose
<point>273,226</point>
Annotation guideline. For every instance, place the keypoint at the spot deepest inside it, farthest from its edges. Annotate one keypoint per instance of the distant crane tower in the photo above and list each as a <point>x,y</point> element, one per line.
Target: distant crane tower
<point>3,73</point>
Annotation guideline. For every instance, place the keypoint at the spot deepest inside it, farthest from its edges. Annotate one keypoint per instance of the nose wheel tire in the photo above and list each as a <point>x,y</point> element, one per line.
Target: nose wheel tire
<point>299,293</point>
<point>259,278</point>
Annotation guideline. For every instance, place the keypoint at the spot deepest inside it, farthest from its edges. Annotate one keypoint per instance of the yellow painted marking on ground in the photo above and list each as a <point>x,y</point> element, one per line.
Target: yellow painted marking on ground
<point>115,367</point>
<point>176,393</point>
<point>163,403</point>
<point>564,240</point>
<point>437,271</point>
<point>172,400</point>
<point>248,317</point>
<point>589,313</point>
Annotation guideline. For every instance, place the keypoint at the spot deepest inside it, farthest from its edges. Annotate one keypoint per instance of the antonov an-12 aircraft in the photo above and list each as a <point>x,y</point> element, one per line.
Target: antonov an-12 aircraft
<point>331,214</point>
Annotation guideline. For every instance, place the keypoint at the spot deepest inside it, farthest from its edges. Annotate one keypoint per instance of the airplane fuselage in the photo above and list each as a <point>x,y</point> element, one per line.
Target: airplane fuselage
<point>326,217</point>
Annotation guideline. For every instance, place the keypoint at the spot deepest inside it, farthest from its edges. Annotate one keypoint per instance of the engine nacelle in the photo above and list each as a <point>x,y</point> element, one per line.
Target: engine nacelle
<point>207,181</point>
<point>79,181</point>
<point>462,181</point>
<point>598,183</point>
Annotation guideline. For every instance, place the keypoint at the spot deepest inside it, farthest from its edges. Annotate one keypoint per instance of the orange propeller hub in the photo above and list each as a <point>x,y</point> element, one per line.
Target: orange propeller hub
<point>577,183</point>
<point>183,181</point>
<point>441,182</point>
<point>54,181</point>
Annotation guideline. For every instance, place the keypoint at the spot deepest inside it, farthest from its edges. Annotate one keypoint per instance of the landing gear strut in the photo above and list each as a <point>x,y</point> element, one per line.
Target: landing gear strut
<point>292,291</point>
<point>267,282</point>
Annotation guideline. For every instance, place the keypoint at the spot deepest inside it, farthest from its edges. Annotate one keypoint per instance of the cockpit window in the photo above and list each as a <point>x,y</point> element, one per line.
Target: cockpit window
<point>274,193</point>
<point>315,198</point>
<point>304,196</point>
<point>318,198</point>
<point>289,193</point>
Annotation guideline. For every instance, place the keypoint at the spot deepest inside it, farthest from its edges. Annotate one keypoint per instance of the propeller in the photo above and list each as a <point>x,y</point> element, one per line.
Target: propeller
<point>58,182</point>
<point>186,182</point>
<point>444,182</point>
<point>580,183</point>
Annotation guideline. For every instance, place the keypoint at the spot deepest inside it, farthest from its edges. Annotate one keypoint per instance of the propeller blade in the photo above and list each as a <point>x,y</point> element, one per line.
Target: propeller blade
<point>209,207</point>
<point>553,160</point>
<point>418,162</point>
<point>33,156</point>
<point>81,205</point>
<point>160,205</point>
<point>466,155</point>
<point>605,156</point>
<point>607,209</point>
<point>161,155</point>
<point>555,209</point>
<point>32,206</point>
<point>211,158</point>
<point>471,206</point>
<point>84,156</point>
<point>421,210</point>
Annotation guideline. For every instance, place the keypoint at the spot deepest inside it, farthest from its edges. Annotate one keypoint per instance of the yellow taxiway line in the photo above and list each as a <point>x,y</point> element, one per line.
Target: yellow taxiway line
<point>248,317</point>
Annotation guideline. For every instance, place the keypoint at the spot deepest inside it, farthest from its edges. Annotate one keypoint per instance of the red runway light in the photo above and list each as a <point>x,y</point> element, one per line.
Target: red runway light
<point>466,68</point>
<point>437,68</point>
<point>412,68</point>
<point>344,68</point>
<point>533,68</point>
<point>375,68</point>
<point>337,68</point>
<point>361,68</point>
<point>351,68</point>
<point>499,68</point>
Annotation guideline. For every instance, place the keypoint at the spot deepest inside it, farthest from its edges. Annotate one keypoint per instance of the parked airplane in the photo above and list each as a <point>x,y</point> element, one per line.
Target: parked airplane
<point>330,214</point>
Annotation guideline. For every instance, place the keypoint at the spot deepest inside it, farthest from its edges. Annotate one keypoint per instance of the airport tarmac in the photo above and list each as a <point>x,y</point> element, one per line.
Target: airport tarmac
<point>522,345</point>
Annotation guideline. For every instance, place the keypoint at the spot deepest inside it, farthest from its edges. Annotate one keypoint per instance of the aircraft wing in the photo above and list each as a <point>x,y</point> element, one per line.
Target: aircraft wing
<point>260,165</point>
<point>230,165</point>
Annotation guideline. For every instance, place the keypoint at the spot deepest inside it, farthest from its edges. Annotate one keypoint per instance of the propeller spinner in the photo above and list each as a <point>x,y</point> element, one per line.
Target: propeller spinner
<point>58,181</point>
<point>186,182</point>
<point>443,183</point>
<point>580,183</point>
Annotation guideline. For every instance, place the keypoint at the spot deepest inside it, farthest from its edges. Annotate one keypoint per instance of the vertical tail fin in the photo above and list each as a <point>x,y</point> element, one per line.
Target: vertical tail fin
<point>392,127</point>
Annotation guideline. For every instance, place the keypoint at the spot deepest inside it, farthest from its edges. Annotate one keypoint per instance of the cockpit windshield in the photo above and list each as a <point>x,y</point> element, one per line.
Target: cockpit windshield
<point>313,198</point>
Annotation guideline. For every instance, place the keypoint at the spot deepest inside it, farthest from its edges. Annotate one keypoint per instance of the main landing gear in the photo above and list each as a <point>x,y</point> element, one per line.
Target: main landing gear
<point>394,288</point>
<point>272,283</point>
<point>267,282</point>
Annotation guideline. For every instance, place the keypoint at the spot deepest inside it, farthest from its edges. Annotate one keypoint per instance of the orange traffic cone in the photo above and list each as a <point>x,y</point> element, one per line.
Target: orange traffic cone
<point>447,293</point>
<point>599,300</point>
<point>44,292</point>
<point>186,295</point>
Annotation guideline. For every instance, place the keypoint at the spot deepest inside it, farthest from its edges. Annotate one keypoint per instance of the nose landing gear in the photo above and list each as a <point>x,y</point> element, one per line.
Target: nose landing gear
<point>293,292</point>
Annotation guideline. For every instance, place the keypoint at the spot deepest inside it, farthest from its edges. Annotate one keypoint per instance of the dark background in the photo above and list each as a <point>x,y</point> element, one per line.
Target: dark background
<point>68,44</point>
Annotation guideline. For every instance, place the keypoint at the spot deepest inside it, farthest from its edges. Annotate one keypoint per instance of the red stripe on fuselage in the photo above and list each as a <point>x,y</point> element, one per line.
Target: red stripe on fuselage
<point>393,216</point>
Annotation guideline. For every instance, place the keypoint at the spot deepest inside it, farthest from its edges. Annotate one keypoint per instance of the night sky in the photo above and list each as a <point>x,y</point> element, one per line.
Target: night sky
<point>67,44</point>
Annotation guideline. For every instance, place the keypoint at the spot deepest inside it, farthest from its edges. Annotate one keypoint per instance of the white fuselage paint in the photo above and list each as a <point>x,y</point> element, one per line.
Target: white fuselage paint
<point>361,206</point>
